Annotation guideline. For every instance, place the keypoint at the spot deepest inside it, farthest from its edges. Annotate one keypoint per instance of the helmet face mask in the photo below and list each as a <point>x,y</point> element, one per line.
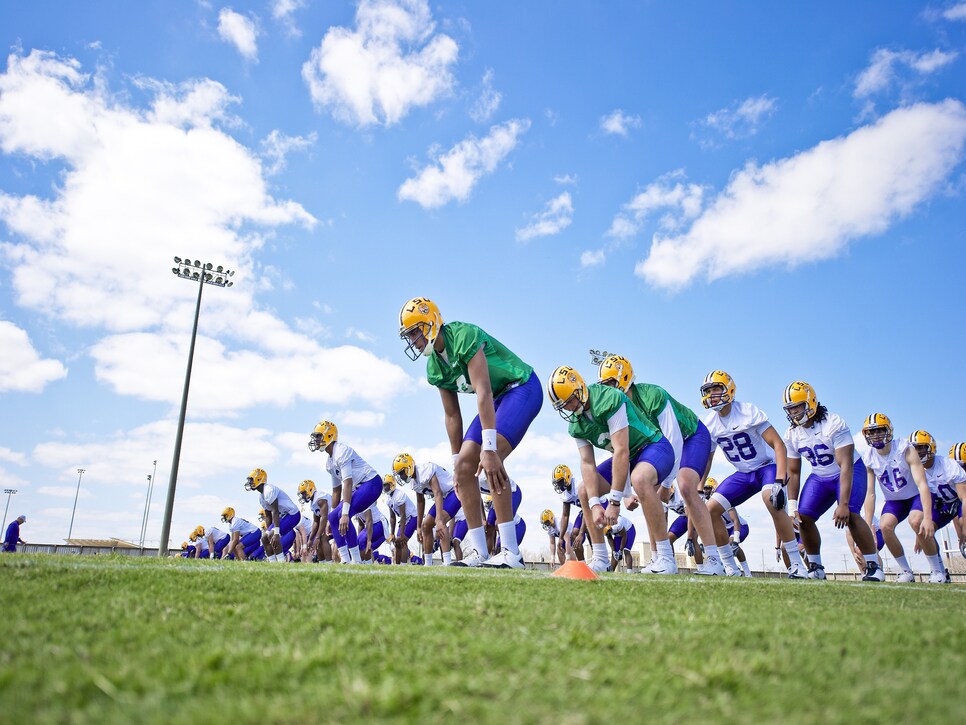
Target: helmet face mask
<point>256,478</point>
<point>568,393</point>
<point>796,414</point>
<point>306,491</point>
<point>925,446</point>
<point>561,478</point>
<point>718,390</point>
<point>403,469</point>
<point>388,483</point>
<point>419,325</point>
<point>800,403</point>
<point>325,433</point>
<point>228,514</point>
<point>709,487</point>
<point>547,517</point>
<point>877,430</point>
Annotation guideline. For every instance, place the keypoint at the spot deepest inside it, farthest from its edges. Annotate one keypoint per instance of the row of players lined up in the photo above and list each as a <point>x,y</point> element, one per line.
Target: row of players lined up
<point>655,440</point>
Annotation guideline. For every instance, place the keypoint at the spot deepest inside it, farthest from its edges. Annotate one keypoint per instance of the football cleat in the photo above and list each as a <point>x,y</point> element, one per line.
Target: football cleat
<point>711,567</point>
<point>798,571</point>
<point>799,402</point>
<point>949,578</point>
<point>733,571</point>
<point>815,571</point>
<point>471,558</point>
<point>566,386</point>
<point>419,323</point>
<point>255,479</point>
<point>661,565</point>
<point>877,430</point>
<point>925,446</point>
<point>873,572</point>
<point>905,577</point>
<point>323,434</point>
<point>561,478</point>
<point>506,559</point>
<point>617,372</point>
<point>717,390</point>
<point>599,567</point>
<point>937,577</point>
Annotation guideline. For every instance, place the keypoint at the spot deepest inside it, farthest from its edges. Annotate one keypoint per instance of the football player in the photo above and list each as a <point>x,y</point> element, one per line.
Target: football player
<point>458,534</point>
<point>604,417</point>
<point>355,485</point>
<point>373,529</point>
<point>752,445</point>
<point>838,476</point>
<point>958,453</point>
<point>320,503</point>
<point>896,466</point>
<point>200,544</point>
<point>402,518</point>
<point>942,476</point>
<point>462,358</point>
<point>621,537</point>
<point>572,528</point>
<point>217,540</point>
<point>689,438</point>
<point>246,539</point>
<point>430,480</point>
<point>557,548</point>
<point>281,515</point>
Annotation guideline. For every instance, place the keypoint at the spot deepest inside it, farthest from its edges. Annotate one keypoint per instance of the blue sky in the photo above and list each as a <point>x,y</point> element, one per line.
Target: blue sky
<point>771,190</point>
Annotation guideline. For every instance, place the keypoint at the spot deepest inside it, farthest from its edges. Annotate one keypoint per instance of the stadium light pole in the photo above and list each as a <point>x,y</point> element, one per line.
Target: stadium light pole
<point>10,492</point>
<point>202,273</point>
<point>80,475</point>
<point>147,506</point>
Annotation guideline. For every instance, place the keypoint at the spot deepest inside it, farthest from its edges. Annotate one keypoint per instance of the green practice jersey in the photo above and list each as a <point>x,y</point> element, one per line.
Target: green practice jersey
<point>604,402</point>
<point>650,401</point>
<point>461,341</point>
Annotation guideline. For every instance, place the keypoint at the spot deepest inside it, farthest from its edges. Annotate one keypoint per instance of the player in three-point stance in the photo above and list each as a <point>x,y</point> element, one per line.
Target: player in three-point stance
<point>462,358</point>
<point>604,417</point>
<point>320,503</point>
<point>280,513</point>
<point>942,477</point>
<point>549,524</point>
<point>573,529</point>
<point>430,480</point>
<point>402,518</point>
<point>838,476</point>
<point>754,448</point>
<point>246,538</point>
<point>355,485</point>
<point>896,466</point>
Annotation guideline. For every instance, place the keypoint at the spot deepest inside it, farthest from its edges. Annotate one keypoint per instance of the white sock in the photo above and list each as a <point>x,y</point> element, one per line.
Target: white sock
<point>664,549</point>
<point>745,568</point>
<point>477,539</point>
<point>791,548</point>
<point>600,552</point>
<point>508,537</point>
<point>355,555</point>
<point>935,563</point>
<point>870,558</point>
<point>815,558</point>
<point>344,554</point>
<point>428,559</point>
<point>447,558</point>
<point>903,564</point>
<point>727,557</point>
<point>711,552</point>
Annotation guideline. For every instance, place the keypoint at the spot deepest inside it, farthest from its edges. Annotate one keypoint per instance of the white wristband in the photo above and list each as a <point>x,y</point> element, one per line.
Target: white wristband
<point>489,439</point>
<point>792,506</point>
<point>593,501</point>
<point>455,458</point>
<point>616,496</point>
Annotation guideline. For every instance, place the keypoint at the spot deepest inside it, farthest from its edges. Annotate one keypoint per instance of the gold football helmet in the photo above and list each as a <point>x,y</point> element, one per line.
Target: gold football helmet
<point>325,432</point>
<point>388,484</point>
<point>184,546</point>
<point>710,485</point>
<point>561,478</point>
<point>228,514</point>
<point>616,371</point>
<point>487,501</point>
<point>717,384</point>
<point>798,394</point>
<point>255,479</point>
<point>547,518</point>
<point>924,444</point>
<point>419,321</point>
<point>957,452</point>
<point>403,468</point>
<point>564,387</point>
<point>306,491</point>
<point>199,531</point>
<point>877,430</point>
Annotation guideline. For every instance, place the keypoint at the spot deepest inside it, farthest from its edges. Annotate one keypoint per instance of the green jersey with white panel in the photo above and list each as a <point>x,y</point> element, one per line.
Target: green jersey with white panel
<point>449,370</point>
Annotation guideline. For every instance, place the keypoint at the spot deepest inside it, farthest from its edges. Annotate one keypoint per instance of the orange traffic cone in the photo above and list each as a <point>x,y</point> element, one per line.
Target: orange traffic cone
<point>576,570</point>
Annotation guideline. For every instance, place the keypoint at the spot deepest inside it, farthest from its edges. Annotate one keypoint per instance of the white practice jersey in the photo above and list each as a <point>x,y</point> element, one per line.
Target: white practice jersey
<point>892,472</point>
<point>306,524</point>
<point>345,463</point>
<point>217,534</point>
<point>675,503</point>
<point>738,435</point>
<point>551,529</point>
<point>622,525</point>
<point>729,524</point>
<point>317,498</point>
<point>241,527</point>
<point>460,516</point>
<point>421,482</point>
<point>570,495</point>
<point>817,444</point>
<point>399,498</point>
<point>377,516</point>
<point>270,494</point>
<point>943,477</point>
<point>672,431</point>
<point>485,485</point>
<point>203,543</point>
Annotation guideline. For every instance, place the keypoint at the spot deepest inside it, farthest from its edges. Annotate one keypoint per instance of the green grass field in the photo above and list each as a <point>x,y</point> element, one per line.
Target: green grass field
<point>119,639</point>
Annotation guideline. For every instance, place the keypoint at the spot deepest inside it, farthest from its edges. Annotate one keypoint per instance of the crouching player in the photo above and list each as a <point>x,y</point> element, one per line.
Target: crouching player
<point>402,518</point>
<point>572,528</point>
<point>320,503</point>
<point>942,477</point>
<point>604,417</point>
<point>621,537</point>
<point>282,515</point>
<point>200,543</point>
<point>549,524</point>
<point>246,538</point>
<point>217,541</point>
<point>430,480</point>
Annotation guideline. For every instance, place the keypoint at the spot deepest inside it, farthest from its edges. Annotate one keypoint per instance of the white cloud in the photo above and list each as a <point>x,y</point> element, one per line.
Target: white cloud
<point>956,12</point>
<point>390,63</point>
<point>566,179</point>
<point>619,123</point>
<point>552,220</point>
<point>361,335</point>
<point>884,67</point>
<point>453,175</point>
<point>592,258</point>
<point>64,491</point>
<point>809,206</point>
<point>21,368</point>
<point>670,191</point>
<point>361,418</point>
<point>740,120</point>
<point>240,31</point>
<point>13,456</point>
<point>488,101</point>
<point>276,146</point>
<point>284,10</point>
